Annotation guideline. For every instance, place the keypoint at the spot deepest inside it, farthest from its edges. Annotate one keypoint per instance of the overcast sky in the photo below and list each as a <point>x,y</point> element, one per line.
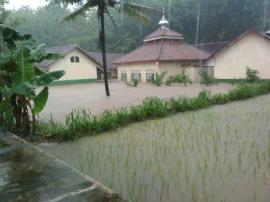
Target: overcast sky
<point>14,4</point>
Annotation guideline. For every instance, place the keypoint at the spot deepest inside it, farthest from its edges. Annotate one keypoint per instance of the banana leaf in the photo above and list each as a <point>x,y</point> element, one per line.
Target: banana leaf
<point>40,101</point>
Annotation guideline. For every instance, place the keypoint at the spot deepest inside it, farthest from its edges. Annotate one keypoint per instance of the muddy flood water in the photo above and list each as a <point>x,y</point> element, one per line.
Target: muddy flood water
<point>217,154</point>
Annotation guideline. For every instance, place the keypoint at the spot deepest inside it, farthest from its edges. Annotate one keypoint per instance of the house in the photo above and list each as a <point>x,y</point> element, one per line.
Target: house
<point>163,50</point>
<point>250,49</point>
<point>111,68</point>
<point>79,65</point>
<point>211,48</point>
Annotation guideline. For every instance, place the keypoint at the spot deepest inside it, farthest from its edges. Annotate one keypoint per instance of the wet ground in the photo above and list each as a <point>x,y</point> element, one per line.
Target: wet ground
<point>29,174</point>
<point>63,99</point>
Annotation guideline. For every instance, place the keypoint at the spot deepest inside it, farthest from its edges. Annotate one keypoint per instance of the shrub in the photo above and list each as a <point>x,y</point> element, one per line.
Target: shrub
<point>220,99</point>
<point>206,78</point>
<point>252,75</point>
<point>179,78</point>
<point>158,81</point>
<point>133,83</point>
<point>179,104</point>
<point>202,101</point>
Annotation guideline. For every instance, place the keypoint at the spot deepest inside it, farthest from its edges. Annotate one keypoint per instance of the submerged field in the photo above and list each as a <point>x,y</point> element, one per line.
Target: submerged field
<point>217,154</point>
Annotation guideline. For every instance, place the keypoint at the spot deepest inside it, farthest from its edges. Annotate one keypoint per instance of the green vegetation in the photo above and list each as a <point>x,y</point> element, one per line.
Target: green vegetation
<point>252,75</point>
<point>23,87</point>
<point>158,80</point>
<point>216,154</point>
<point>103,8</point>
<point>206,78</point>
<point>182,14</point>
<point>180,78</point>
<point>133,83</point>
<point>2,144</point>
<point>80,123</point>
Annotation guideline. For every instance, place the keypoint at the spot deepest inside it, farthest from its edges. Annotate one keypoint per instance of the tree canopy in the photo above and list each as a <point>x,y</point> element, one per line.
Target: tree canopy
<point>220,20</point>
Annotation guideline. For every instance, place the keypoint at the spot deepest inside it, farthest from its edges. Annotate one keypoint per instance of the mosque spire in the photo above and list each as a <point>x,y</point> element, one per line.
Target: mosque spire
<point>163,22</point>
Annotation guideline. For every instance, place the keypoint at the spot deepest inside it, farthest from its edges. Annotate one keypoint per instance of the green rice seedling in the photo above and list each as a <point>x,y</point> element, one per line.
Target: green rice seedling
<point>207,155</point>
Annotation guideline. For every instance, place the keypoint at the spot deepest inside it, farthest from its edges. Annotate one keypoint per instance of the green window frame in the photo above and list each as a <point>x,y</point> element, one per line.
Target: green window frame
<point>123,76</point>
<point>150,77</point>
<point>136,76</point>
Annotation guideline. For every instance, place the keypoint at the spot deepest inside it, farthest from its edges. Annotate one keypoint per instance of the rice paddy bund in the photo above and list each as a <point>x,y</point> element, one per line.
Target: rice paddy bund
<point>217,154</point>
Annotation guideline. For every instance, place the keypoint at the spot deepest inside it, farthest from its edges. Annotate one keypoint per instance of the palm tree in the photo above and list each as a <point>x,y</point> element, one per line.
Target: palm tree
<point>136,10</point>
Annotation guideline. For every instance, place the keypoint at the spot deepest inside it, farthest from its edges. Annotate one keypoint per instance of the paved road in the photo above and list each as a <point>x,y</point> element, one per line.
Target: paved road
<point>63,99</point>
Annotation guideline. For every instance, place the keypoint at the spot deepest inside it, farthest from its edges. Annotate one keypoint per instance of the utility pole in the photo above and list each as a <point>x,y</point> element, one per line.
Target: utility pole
<point>266,16</point>
<point>170,10</point>
<point>198,23</point>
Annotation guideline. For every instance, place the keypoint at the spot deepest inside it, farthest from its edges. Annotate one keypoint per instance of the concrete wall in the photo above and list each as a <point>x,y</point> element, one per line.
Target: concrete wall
<point>253,50</point>
<point>155,67</point>
<point>136,68</point>
<point>177,68</point>
<point>85,69</point>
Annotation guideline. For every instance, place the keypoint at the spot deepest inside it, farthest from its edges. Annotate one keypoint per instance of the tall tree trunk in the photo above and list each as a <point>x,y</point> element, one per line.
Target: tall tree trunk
<point>103,47</point>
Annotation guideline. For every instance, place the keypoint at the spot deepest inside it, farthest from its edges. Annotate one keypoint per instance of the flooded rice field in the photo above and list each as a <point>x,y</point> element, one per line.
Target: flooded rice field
<point>217,154</point>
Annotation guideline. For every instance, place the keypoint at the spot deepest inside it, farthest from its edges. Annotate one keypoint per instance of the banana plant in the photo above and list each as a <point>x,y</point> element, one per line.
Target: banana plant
<point>23,87</point>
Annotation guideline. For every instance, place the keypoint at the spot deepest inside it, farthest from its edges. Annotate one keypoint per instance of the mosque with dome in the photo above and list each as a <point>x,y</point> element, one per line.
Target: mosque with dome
<point>162,51</point>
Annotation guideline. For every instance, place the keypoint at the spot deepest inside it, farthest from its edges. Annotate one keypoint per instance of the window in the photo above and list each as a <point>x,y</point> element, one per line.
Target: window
<point>150,77</point>
<point>74,59</point>
<point>136,76</point>
<point>123,76</point>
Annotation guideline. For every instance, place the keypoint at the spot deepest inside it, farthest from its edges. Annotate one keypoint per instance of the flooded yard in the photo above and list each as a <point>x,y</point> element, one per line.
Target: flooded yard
<point>63,99</point>
<point>217,154</point>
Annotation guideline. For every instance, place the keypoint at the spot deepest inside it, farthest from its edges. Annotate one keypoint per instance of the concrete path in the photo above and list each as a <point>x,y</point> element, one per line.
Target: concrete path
<point>63,99</point>
<point>29,174</point>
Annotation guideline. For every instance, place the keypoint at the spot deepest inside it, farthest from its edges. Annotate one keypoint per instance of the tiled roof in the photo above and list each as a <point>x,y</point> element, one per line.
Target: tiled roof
<point>162,33</point>
<point>164,51</point>
<point>111,57</point>
<point>61,49</point>
<point>250,31</point>
<point>211,48</point>
<point>95,56</point>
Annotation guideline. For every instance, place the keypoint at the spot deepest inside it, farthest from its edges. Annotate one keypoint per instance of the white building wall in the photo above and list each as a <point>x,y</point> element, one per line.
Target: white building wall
<point>137,68</point>
<point>172,69</point>
<point>85,69</point>
<point>251,51</point>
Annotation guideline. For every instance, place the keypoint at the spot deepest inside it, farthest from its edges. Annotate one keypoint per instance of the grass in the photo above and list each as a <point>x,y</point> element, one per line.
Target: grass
<point>216,154</point>
<point>80,122</point>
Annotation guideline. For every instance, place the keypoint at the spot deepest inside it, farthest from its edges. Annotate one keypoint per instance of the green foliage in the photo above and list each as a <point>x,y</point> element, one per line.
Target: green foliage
<point>158,80</point>
<point>180,78</point>
<point>103,8</point>
<point>19,79</point>
<point>133,83</point>
<point>80,122</point>
<point>227,20</point>
<point>206,78</point>
<point>252,75</point>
